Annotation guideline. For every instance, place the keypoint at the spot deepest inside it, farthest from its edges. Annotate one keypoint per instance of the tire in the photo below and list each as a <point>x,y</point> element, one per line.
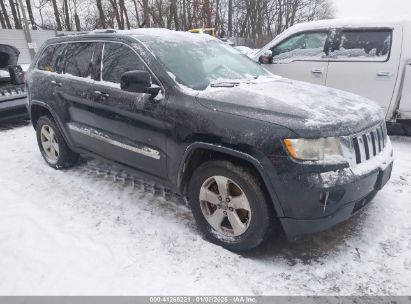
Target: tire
<point>256,218</point>
<point>49,139</point>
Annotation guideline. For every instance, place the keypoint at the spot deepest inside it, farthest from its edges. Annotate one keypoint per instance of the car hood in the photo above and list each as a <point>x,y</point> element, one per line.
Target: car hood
<point>307,109</point>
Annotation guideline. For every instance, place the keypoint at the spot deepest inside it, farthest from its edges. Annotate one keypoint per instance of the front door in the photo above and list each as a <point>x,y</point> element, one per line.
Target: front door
<point>128,127</point>
<point>366,62</point>
<point>301,57</point>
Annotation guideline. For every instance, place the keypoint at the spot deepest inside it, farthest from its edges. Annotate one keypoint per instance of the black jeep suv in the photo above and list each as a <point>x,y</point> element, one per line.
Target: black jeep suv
<point>246,148</point>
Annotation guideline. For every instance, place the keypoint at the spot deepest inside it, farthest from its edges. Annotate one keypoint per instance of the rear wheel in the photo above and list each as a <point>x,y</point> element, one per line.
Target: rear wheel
<point>52,145</point>
<point>229,205</point>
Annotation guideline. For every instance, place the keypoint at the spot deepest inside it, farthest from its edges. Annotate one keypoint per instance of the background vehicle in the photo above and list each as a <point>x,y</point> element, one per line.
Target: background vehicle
<point>248,149</point>
<point>369,58</point>
<point>12,87</point>
<point>246,50</point>
<point>208,31</point>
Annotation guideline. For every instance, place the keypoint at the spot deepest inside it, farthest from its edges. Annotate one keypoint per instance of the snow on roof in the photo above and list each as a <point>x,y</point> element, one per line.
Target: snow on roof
<point>167,34</point>
<point>351,22</point>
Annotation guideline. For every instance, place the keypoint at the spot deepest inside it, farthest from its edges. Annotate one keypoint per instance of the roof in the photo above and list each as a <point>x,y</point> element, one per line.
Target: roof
<point>166,34</point>
<point>141,33</point>
<point>351,22</point>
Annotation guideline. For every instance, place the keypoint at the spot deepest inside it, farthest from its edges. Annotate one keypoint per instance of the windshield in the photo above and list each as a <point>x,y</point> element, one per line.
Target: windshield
<point>199,63</point>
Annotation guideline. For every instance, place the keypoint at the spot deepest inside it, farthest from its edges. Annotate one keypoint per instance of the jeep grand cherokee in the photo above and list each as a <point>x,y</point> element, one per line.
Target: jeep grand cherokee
<point>247,148</point>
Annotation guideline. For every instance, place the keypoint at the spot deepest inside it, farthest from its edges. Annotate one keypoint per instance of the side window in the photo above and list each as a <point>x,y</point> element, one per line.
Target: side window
<point>118,59</point>
<point>78,60</point>
<point>304,46</point>
<point>367,45</point>
<point>51,58</point>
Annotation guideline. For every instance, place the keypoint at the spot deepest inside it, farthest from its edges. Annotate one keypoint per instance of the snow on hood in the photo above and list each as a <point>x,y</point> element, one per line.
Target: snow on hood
<point>307,109</point>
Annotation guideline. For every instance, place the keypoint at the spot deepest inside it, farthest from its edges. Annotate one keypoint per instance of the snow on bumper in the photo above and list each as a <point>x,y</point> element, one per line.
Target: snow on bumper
<point>344,176</point>
<point>332,197</point>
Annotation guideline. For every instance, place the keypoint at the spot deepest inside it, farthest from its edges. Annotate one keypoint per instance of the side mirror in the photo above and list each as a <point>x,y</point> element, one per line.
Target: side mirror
<point>138,82</point>
<point>266,57</point>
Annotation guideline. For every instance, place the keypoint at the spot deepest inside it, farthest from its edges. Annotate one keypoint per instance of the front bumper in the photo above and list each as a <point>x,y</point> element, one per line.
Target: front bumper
<point>326,199</point>
<point>371,184</point>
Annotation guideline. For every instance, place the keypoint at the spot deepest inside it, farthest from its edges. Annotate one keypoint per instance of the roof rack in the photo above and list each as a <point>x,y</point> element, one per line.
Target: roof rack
<point>104,31</point>
<point>71,34</point>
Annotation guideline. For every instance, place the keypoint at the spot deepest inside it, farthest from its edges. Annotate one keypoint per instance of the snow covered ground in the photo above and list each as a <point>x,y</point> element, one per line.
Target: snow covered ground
<point>95,229</point>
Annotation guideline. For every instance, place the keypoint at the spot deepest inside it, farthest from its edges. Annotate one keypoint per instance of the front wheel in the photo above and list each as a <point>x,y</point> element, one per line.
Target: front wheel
<point>229,205</point>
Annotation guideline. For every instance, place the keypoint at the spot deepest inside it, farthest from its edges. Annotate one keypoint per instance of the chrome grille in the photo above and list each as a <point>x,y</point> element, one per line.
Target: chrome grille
<point>370,143</point>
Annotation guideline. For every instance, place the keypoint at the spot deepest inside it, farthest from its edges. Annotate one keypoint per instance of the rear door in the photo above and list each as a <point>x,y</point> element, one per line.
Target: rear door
<point>365,61</point>
<point>127,127</point>
<point>78,71</point>
<point>45,79</point>
<point>302,56</point>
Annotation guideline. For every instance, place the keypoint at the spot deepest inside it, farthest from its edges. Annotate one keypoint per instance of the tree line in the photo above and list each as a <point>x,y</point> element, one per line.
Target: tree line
<point>258,21</point>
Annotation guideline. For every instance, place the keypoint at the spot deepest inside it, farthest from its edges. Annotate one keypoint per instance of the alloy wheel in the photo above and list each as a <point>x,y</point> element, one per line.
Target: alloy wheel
<point>49,143</point>
<point>225,206</point>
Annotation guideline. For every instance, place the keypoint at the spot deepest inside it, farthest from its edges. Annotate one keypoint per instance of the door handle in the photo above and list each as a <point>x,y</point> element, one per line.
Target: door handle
<point>384,74</point>
<point>317,71</point>
<point>102,94</point>
<point>55,83</point>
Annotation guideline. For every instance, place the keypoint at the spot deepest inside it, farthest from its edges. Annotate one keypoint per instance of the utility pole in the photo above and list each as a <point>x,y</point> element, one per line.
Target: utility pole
<point>27,33</point>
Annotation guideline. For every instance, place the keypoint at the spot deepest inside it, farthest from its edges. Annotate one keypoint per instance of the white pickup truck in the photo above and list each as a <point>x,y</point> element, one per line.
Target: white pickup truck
<point>369,58</point>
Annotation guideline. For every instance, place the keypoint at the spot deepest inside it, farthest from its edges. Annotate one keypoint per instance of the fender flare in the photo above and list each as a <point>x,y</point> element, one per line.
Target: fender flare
<point>55,118</point>
<point>257,164</point>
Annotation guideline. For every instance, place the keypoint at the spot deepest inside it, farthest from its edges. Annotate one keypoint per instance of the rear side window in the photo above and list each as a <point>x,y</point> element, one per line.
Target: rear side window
<point>304,46</point>
<point>118,59</point>
<point>51,58</point>
<point>367,45</point>
<point>78,60</point>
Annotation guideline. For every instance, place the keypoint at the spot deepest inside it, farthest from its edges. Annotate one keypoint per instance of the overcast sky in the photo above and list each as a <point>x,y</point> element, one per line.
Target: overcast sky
<point>373,8</point>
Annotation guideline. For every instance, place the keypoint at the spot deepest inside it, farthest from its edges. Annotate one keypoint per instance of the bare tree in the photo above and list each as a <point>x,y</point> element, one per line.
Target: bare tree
<point>101,19</point>
<point>230,18</point>
<point>5,14</point>
<point>16,19</point>
<point>3,24</point>
<point>124,14</point>
<point>119,17</point>
<point>256,21</point>
<point>57,15</point>
<point>67,15</point>
<point>30,12</point>
<point>146,13</point>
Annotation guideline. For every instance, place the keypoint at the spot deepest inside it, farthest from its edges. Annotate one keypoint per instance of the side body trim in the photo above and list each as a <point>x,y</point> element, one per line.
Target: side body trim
<point>146,151</point>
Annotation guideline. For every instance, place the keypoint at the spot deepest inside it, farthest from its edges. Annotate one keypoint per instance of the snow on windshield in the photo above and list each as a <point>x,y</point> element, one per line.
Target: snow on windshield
<point>197,62</point>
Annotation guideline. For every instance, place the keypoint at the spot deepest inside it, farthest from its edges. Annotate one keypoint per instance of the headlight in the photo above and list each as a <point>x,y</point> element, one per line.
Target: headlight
<point>314,149</point>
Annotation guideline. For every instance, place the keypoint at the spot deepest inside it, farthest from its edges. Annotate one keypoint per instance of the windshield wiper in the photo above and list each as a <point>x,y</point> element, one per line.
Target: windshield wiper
<point>224,84</point>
